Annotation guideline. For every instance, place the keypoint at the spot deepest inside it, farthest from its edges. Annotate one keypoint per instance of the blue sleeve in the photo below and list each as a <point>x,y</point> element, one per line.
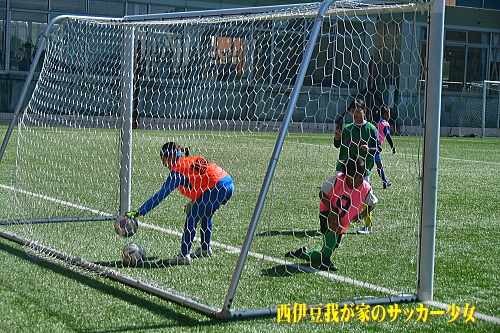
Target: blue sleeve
<point>173,181</point>
<point>378,145</point>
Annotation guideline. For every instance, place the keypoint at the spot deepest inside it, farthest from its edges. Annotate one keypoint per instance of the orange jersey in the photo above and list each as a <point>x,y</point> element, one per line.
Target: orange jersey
<point>200,173</point>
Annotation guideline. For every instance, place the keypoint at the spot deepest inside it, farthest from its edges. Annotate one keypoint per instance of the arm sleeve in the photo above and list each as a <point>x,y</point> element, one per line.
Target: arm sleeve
<point>327,186</point>
<point>378,145</point>
<point>173,181</point>
<point>371,199</point>
<point>389,138</point>
<point>336,143</point>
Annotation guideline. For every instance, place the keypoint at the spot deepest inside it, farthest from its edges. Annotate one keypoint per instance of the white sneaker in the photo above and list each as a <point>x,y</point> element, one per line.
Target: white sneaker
<point>179,260</point>
<point>199,252</point>
<point>365,230</point>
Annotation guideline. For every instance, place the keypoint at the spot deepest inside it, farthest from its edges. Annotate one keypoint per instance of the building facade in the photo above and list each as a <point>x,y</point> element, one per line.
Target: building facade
<point>471,50</point>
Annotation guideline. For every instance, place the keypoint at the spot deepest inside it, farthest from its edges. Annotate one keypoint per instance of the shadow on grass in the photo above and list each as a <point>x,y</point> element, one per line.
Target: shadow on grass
<point>149,263</point>
<point>298,234</point>
<point>180,319</point>
<point>284,270</point>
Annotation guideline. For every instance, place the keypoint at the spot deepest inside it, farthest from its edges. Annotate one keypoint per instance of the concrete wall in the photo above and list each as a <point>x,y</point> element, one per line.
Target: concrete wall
<point>11,86</point>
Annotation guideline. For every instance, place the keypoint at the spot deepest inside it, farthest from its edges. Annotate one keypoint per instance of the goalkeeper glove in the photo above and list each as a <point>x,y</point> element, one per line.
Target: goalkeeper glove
<point>188,207</point>
<point>132,214</point>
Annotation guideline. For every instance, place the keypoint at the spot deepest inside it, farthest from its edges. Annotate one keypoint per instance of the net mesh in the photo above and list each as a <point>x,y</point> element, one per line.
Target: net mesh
<point>220,86</point>
<point>478,110</point>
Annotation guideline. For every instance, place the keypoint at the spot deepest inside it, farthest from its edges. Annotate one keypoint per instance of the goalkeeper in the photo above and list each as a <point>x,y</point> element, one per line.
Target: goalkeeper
<point>344,196</point>
<point>206,184</point>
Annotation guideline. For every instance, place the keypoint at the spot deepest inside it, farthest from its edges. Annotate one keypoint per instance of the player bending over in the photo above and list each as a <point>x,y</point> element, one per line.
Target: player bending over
<point>344,196</point>
<point>206,184</point>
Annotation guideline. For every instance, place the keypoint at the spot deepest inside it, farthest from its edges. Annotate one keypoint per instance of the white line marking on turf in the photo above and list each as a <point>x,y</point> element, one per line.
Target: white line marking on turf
<point>479,315</point>
<point>54,200</point>
<point>232,249</point>
<point>235,250</point>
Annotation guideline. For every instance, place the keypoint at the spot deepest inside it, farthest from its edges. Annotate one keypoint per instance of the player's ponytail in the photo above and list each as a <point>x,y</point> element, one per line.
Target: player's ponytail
<point>173,148</point>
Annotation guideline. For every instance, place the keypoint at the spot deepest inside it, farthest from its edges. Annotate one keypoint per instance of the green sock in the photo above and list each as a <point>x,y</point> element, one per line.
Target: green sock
<point>330,241</point>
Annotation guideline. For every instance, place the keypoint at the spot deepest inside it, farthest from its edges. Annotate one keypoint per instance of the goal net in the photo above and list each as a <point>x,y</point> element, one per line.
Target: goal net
<point>478,110</point>
<point>112,92</point>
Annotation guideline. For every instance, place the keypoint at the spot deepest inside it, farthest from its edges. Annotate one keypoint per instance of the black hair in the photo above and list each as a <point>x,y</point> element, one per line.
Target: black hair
<point>170,147</point>
<point>377,115</point>
<point>384,109</point>
<point>355,166</point>
<point>357,104</point>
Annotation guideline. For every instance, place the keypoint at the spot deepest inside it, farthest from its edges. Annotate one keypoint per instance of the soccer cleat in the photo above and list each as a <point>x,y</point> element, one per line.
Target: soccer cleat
<point>386,185</point>
<point>365,230</point>
<point>297,253</point>
<point>199,252</point>
<point>179,260</point>
<point>327,265</point>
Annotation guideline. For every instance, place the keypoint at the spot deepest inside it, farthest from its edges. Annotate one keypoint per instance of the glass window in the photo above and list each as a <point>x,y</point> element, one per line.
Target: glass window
<point>476,64</point>
<point>26,29</point>
<point>477,37</point>
<point>229,57</point>
<point>287,57</point>
<point>348,70</point>
<point>495,58</point>
<point>137,9</point>
<point>456,35</point>
<point>470,3</point>
<point>261,57</point>
<point>30,4</point>
<point>423,57</point>
<point>2,39</point>
<point>453,67</point>
<point>491,4</point>
<point>349,54</point>
<point>69,7</point>
<point>155,9</point>
<point>423,33</point>
<point>106,8</point>
<point>321,69</point>
<point>3,3</point>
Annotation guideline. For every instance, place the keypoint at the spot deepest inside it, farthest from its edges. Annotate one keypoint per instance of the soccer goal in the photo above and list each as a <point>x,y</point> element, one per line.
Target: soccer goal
<point>478,110</point>
<point>258,92</point>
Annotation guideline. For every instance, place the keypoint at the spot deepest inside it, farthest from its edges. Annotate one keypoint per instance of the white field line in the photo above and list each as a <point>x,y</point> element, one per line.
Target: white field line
<point>54,200</point>
<point>389,153</point>
<point>228,248</point>
<point>235,250</point>
<point>479,315</point>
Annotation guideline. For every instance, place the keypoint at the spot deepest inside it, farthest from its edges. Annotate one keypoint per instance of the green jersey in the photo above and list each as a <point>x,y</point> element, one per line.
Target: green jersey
<point>353,137</point>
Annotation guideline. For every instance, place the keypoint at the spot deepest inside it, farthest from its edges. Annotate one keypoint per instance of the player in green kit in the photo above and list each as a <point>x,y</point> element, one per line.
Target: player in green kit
<point>360,138</point>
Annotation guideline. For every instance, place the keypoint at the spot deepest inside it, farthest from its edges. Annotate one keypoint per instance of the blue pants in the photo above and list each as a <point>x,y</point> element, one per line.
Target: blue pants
<point>202,210</point>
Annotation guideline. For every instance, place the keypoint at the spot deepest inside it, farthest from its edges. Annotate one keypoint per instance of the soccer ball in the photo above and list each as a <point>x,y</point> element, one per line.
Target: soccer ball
<point>126,226</point>
<point>133,253</point>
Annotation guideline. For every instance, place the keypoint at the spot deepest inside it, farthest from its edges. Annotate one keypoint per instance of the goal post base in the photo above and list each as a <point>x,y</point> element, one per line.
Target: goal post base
<point>57,220</point>
<point>203,309</point>
<point>274,311</point>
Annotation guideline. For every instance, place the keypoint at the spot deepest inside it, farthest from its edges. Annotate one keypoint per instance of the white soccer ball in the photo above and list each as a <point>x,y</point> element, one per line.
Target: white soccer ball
<point>133,253</point>
<point>126,226</point>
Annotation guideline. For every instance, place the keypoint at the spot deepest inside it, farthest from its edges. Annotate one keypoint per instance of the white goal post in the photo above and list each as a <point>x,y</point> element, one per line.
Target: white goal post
<point>256,90</point>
